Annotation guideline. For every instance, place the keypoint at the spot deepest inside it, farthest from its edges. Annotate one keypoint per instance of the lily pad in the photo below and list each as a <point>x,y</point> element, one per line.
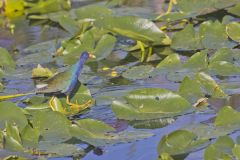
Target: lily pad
<point>221,149</point>
<point>233,30</point>
<point>57,131</point>
<point>6,59</point>
<point>133,27</point>
<point>92,11</point>
<point>198,61</point>
<point>210,85</point>
<point>190,90</point>
<point>41,72</point>
<point>213,35</point>
<point>180,142</point>
<point>150,103</point>
<point>104,46</point>
<point>138,72</point>
<point>187,39</point>
<point>99,134</point>
<point>224,68</point>
<point>13,114</point>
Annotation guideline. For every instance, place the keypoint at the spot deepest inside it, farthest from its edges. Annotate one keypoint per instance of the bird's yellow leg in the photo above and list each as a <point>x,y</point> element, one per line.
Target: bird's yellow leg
<point>150,51</point>
<point>6,97</point>
<point>140,44</point>
<point>76,106</point>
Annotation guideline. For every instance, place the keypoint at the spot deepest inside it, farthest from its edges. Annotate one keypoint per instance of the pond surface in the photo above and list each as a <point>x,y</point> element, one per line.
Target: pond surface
<point>26,35</point>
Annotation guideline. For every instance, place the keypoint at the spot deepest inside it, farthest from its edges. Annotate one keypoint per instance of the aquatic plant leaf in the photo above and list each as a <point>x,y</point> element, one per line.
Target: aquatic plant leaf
<point>13,8</point>
<point>187,39</point>
<point>133,27</point>
<point>138,72</point>
<point>236,150</point>
<point>172,16</point>
<point>190,90</point>
<point>30,137</point>
<point>94,126</point>
<point>227,116</point>
<point>195,7</point>
<point>157,100</point>
<point>69,24</point>
<point>233,30</point>
<point>222,54</point>
<point>62,149</point>
<point>221,149</point>
<point>152,123</point>
<point>102,137</point>
<point>82,95</point>
<point>92,11</point>
<point>6,59</point>
<point>170,62</point>
<point>150,103</point>
<point>180,142</point>
<point>235,10</point>
<point>198,61</point>
<point>12,140</point>
<point>57,131</point>
<point>42,6</point>
<point>224,68</point>
<point>213,35</point>
<point>104,46</point>
<point>13,114</point>
<point>38,53</point>
<point>210,85</point>
<point>41,72</point>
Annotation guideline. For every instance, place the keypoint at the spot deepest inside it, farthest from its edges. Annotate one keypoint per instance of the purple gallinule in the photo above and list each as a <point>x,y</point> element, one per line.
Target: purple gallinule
<point>62,82</point>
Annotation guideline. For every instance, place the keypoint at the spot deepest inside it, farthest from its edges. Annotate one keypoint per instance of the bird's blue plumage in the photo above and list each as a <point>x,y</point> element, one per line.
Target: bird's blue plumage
<point>76,70</point>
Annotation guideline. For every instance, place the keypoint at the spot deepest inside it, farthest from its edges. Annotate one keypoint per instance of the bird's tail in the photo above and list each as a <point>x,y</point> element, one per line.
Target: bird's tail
<point>6,97</point>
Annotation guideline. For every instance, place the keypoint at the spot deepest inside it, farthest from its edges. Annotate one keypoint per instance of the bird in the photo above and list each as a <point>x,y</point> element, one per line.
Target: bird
<point>60,83</point>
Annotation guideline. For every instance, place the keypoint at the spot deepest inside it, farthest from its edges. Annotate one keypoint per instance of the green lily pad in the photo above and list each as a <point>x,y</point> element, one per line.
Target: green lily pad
<point>99,134</point>
<point>57,131</point>
<point>227,116</point>
<point>138,72</point>
<point>180,142</point>
<point>223,54</point>
<point>210,85</point>
<point>198,61</point>
<point>235,151</point>
<point>190,90</point>
<point>13,114</point>
<point>187,39</point>
<point>224,68</point>
<point>150,103</point>
<point>235,10</point>
<point>170,62</point>
<point>92,11</point>
<point>63,149</point>
<point>6,59</point>
<point>30,137</point>
<point>213,35</point>
<point>133,27</point>
<point>221,149</point>
<point>12,140</point>
<point>233,30</point>
<point>105,46</point>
